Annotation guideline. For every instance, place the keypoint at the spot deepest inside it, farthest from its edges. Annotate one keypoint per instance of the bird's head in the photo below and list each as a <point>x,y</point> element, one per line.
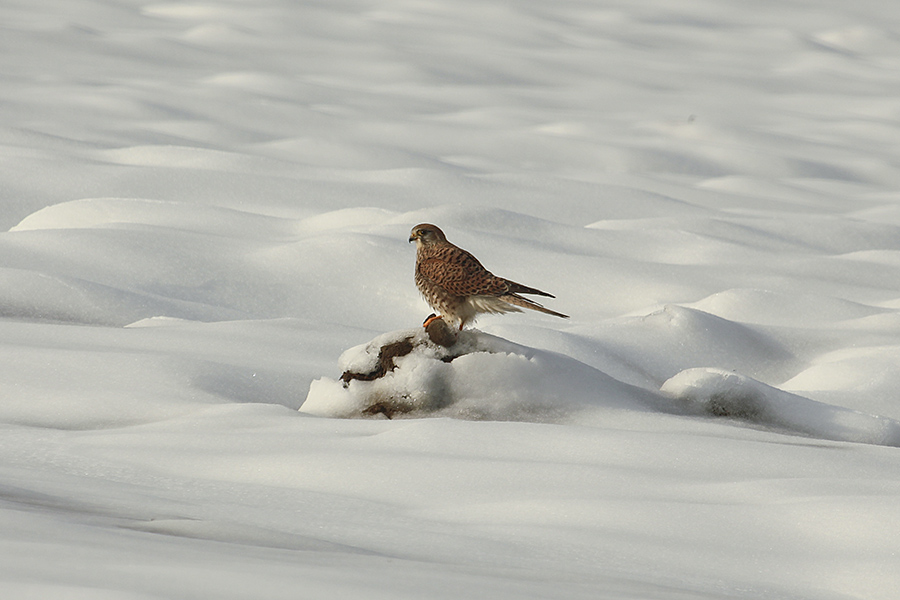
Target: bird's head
<point>425,234</point>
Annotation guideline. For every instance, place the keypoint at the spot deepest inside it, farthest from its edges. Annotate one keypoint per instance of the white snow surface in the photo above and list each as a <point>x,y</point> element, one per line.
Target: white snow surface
<point>206,204</point>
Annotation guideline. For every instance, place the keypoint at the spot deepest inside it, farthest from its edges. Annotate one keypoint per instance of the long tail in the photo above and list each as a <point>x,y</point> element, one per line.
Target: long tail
<point>526,303</point>
<point>518,288</point>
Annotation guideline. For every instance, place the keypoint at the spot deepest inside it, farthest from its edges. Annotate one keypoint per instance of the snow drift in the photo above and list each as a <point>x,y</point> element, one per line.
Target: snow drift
<point>734,396</point>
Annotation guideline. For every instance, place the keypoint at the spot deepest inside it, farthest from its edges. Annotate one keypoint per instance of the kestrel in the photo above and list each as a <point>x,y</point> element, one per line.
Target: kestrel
<point>456,285</point>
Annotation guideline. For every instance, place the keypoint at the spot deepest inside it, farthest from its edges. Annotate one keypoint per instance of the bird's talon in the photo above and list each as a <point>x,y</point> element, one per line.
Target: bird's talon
<point>430,320</point>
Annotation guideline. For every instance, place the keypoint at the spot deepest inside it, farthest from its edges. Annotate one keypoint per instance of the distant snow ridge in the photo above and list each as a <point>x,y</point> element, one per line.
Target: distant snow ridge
<point>485,377</point>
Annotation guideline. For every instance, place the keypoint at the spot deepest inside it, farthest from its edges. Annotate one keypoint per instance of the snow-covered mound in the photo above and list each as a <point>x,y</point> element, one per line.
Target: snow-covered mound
<point>481,377</point>
<point>726,394</point>
<point>486,377</point>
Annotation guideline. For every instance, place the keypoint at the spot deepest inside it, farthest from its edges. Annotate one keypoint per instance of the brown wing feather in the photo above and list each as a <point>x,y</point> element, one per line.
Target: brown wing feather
<point>526,303</point>
<point>518,288</point>
<point>459,273</point>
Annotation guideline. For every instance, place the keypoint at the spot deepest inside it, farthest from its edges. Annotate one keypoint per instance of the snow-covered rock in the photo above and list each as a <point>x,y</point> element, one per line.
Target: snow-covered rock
<point>731,395</point>
<point>481,377</point>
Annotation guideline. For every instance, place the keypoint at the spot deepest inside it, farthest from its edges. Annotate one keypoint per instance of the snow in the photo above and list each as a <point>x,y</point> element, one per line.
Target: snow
<point>205,212</point>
